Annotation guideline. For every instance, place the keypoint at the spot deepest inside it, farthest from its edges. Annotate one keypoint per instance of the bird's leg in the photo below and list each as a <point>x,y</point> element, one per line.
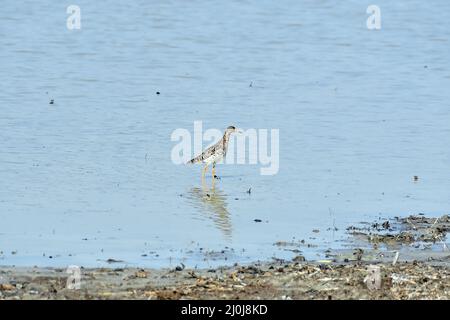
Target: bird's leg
<point>214,170</point>
<point>213,180</point>
<point>204,172</point>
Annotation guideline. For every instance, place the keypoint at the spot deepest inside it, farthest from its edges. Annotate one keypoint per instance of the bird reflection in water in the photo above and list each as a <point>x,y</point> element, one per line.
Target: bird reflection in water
<point>212,202</point>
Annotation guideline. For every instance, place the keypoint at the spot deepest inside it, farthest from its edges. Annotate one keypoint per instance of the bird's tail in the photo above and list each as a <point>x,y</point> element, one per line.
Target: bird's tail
<point>192,161</point>
<point>196,159</point>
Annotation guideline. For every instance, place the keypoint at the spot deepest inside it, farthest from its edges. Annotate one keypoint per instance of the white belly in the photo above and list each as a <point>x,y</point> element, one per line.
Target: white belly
<point>214,158</point>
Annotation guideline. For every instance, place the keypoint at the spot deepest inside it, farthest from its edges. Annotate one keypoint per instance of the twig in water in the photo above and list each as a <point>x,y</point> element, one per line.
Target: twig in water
<point>395,258</point>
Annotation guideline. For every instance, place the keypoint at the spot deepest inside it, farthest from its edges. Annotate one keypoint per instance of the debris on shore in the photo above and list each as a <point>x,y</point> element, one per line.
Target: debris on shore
<point>399,252</point>
<point>412,229</point>
<point>297,280</point>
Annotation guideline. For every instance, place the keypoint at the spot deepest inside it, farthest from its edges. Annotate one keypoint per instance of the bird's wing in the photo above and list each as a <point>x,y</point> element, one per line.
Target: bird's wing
<point>208,152</point>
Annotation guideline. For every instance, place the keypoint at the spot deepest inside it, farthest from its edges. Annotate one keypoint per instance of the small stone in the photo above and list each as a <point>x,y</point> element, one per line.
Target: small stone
<point>299,258</point>
<point>6,287</point>
<point>141,274</point>
<point>180,268</point>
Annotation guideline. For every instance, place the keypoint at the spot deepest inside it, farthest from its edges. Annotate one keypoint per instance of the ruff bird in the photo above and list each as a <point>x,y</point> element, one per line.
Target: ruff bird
<point>215,153</point>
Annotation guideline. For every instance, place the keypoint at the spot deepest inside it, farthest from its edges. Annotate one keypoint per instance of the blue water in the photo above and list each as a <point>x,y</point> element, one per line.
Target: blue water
<point>88,178</point>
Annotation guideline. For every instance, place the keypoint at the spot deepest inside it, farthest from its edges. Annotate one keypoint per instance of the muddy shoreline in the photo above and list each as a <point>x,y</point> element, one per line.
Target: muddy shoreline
<point>401,258</point>
<point>413,280</point>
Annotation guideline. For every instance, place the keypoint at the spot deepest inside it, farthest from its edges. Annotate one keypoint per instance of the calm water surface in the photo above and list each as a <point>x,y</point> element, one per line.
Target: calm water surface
<point>90,177</point>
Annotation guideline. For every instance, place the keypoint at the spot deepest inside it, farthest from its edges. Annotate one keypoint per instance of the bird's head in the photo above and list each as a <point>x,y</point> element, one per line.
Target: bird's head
<point>233,129</point>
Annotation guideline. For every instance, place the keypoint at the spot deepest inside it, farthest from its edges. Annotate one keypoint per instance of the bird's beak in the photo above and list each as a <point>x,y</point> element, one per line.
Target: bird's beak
<point>239,130</point>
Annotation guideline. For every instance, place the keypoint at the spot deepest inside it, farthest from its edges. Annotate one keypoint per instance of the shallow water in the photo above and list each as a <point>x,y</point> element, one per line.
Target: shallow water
<point>90,177</point>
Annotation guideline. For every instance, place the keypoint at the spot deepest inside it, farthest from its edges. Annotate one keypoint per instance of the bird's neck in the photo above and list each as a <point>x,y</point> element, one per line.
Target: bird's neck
<point>226,138</point>
<point>226,135</point>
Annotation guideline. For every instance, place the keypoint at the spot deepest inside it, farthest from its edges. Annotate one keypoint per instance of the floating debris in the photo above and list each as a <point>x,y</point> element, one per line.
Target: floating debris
<point>110,260</point>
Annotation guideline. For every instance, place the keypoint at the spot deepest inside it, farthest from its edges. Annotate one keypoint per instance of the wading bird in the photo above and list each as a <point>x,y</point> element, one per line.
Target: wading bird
<point>215,153</point>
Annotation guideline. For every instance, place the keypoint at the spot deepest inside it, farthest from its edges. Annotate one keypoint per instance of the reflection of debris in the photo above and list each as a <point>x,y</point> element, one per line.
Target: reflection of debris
<point>294,244</point>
